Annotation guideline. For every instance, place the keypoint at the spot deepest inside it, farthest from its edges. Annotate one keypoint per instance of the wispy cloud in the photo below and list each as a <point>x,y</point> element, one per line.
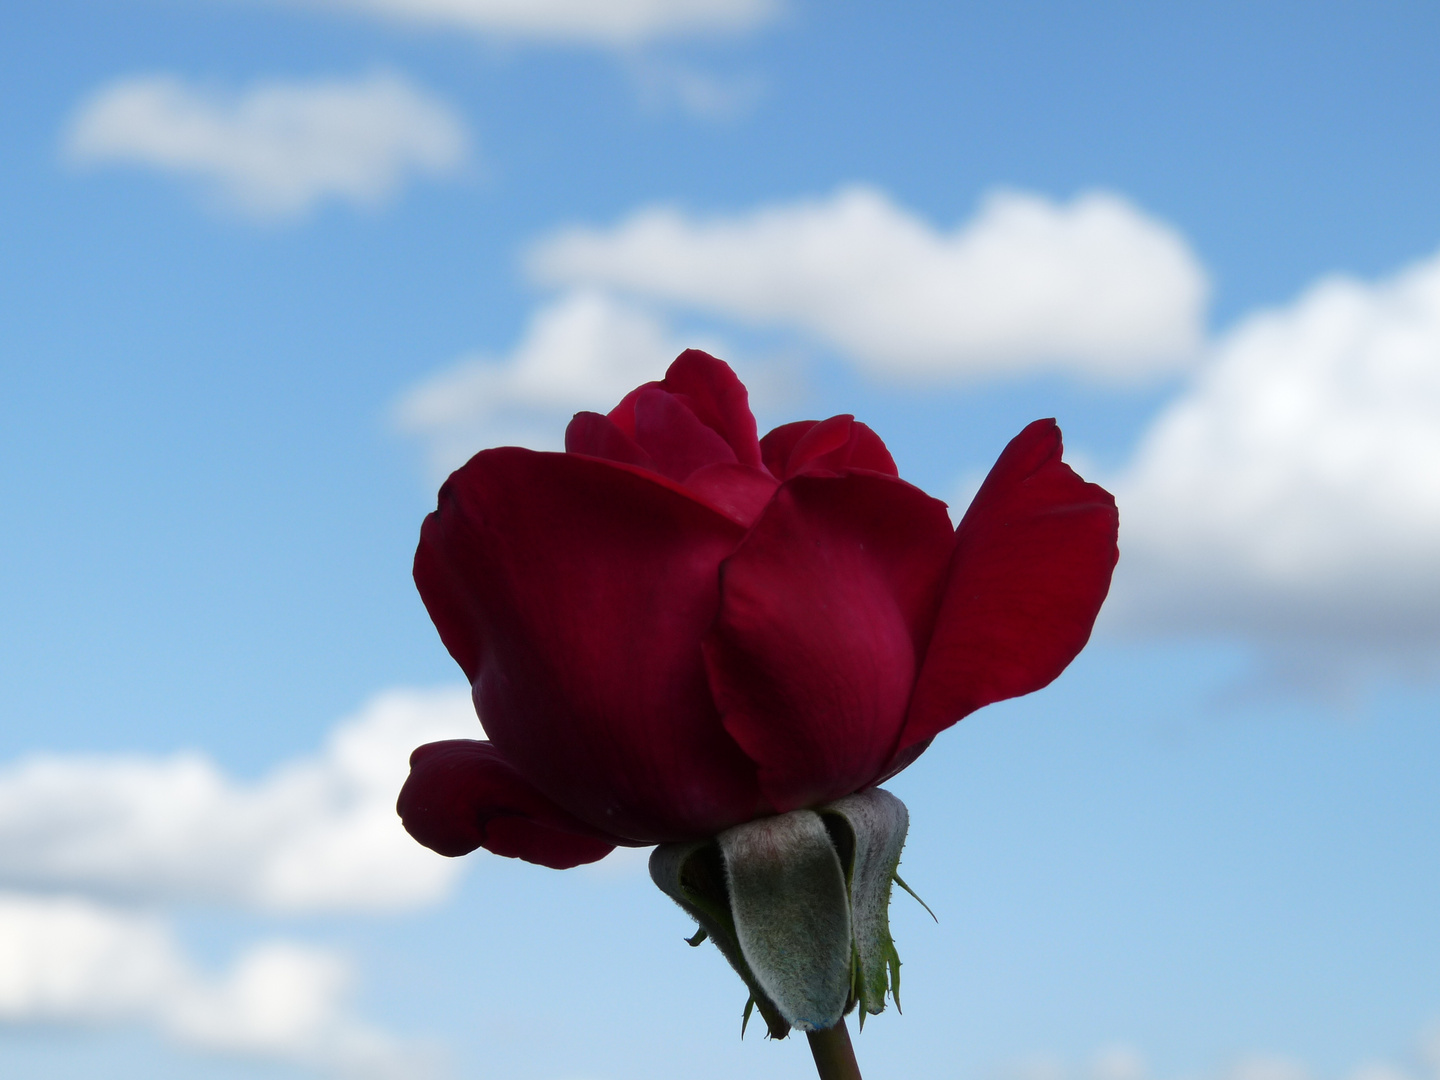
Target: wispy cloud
<point>71,961</point>
<point>703,94</point>
<point>276,149</point>
<point>1291,493</point>
<point>318,833</point>
<point>611,23</point>
<point>1094,286</point>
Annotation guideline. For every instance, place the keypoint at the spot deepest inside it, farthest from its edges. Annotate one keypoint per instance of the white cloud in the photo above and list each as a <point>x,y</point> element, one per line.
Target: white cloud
<point>65,960</point>
<point>1094,286</point>
<point>315,834</point>
<point>583,351</point>
<point>279,148</point>
<point>612,22</point>
<point>1293,492</point>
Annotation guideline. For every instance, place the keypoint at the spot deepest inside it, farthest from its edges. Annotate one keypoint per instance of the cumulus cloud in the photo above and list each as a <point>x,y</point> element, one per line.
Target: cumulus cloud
<point>585,350</point>
<point>315,834</point>
<point>277,149</point>
<point>612,23</point>
<point>1094,286</point>
<point>65,960</point>
<point>1292,492</point>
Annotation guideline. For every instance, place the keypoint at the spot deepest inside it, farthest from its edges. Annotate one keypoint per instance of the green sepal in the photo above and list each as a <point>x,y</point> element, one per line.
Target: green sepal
<point>792,914</point>
<point>693,875</point>
<point>868,830</point>
<point>798,904</point>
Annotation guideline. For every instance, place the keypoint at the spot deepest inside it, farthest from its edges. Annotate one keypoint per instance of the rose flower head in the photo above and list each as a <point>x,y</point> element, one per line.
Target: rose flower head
<point>675,628</point>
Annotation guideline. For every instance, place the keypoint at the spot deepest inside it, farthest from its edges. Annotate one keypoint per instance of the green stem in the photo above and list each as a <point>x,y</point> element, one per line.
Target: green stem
<point>834,1056</point>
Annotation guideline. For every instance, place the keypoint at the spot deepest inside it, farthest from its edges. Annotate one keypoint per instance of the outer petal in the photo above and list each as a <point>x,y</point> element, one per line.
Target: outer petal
<point>463,794</point>
<point>825,608</point>
<point>575,594</point>
<point>1032,564</point>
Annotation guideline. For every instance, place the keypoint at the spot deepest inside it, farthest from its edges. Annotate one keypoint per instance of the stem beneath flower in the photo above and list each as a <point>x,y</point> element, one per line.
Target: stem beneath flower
<point>834,1056</point>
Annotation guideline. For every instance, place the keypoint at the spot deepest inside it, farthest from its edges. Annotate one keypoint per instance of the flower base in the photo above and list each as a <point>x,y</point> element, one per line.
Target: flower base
<point>799,905</point>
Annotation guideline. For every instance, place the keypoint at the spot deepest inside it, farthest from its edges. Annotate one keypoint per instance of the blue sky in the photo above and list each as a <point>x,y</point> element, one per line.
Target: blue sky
<point>268,268</point>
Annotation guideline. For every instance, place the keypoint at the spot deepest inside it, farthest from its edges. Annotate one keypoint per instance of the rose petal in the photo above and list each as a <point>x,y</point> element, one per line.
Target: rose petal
<point>826,437</point>
<point>776,447</point>
<point>840,443</point>
<point>1032,564</point>
<point>709,390</point>
<point>597,435</point>
<point>738,491</point>
<point>575,594</point>
<point>623,415</point>
<point>714,394</point>
<point>463,794</point>
<point>674,437</point>
<point>832,445</point>
<point>824,608</point>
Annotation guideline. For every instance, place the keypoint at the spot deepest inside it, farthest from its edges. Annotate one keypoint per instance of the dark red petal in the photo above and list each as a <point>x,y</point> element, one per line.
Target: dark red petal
<point>674,437</point>
<point>867,450</point>
<point>714,394</point>
<point>902,759</point>
<point>738,491</point>
<point>577,593</point>
<point>1032,564</point>
<point>824,610</point>
<point>838,444</point>
<point>832,445</point>
<point>776,447</point>
<point>463,794</point>
<point>597,435</point>
<point>823,439</point>
<point>623,415</point>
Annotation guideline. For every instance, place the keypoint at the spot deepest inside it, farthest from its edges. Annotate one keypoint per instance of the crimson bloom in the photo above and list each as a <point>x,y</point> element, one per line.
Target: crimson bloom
<point>675,627</point>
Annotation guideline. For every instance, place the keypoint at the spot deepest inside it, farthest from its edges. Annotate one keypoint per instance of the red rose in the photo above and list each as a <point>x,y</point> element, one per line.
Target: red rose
<point>674,627</point>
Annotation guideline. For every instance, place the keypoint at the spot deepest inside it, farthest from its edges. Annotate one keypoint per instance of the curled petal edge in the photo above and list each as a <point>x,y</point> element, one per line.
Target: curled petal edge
<point>1031,566</point>
<point>462,794</point>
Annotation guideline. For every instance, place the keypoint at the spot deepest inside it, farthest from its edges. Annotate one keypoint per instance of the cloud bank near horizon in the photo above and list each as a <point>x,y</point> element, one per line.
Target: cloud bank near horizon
<point>73,962</point>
